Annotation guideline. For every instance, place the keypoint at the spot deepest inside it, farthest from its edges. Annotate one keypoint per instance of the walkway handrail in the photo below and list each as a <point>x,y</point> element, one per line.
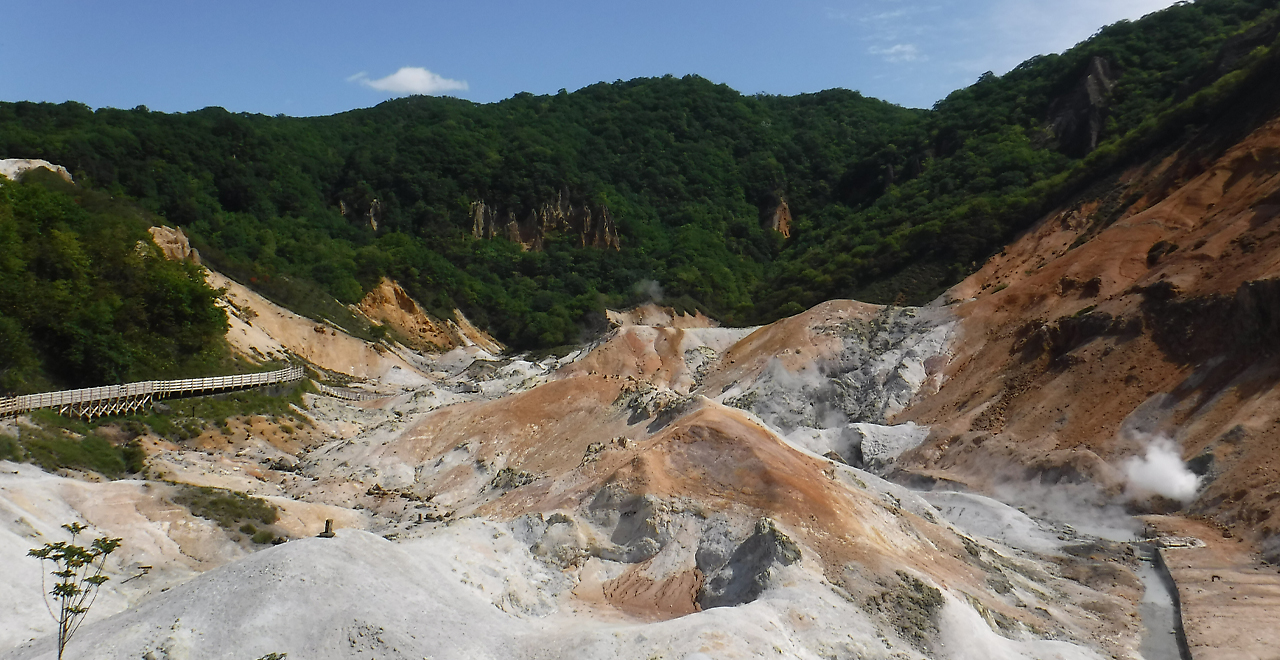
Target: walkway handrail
<point>147,389</point>
<point>347,393</point>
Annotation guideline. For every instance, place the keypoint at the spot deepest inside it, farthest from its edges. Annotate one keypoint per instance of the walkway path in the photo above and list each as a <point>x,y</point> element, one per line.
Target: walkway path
<point>1230,599</point>
<point>113,399</point>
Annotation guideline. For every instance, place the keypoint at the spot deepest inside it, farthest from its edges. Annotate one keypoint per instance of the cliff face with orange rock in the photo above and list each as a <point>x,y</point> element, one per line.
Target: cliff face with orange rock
<point>389,304</point>
<point>1149,308</point>
<point>586,226</point>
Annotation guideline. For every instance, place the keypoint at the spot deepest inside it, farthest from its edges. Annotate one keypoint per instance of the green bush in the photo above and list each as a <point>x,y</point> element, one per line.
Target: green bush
<point>52,451</point>
<point>225,507</point>
<point>10,450</point>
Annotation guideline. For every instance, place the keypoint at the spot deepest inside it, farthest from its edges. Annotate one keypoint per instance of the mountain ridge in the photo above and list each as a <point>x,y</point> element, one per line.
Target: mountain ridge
<point>884,201</point>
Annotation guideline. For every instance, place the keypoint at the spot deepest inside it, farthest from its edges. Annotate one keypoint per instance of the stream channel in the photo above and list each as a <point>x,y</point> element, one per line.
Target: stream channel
<point>1013,527</point>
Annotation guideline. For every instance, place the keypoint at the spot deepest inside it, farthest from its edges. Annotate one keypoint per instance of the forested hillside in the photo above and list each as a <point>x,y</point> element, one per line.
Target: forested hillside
<point>86,298</point>
<point>888,203</point>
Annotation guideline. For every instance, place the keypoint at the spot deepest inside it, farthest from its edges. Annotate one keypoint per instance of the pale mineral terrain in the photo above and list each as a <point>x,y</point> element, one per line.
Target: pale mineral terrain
<point>663,492</point>
<point>1071,454</point>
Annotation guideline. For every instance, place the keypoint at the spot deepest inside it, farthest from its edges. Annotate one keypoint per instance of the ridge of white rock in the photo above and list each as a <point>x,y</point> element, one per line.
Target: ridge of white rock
<point>14,168</point>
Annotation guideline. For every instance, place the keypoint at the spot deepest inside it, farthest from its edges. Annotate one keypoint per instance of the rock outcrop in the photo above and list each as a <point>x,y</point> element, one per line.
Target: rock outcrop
<point>779,219</point>
<point>591,228</point>
<point>388,303</point>
<point>1077,117</point>
<point>174,244</point>
<point>658,316</point>
<point>14,168</point>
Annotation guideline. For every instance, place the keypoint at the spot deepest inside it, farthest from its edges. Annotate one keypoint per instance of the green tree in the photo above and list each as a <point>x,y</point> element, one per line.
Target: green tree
<point>78,577</point>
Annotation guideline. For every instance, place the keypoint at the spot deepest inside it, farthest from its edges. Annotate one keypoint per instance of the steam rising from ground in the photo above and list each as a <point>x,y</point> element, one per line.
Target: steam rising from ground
<point>1083,506</point>
<point>651,289</point>
<point>1160,472</point>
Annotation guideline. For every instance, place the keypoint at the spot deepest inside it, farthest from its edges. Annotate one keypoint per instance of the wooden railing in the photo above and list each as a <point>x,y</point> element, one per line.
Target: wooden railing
<point>348,393</point>
<point>113,399</point>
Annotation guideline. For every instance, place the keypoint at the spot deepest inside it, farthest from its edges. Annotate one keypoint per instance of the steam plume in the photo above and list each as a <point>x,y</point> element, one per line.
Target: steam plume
<point>651,289</point>
<point>1160,472</point>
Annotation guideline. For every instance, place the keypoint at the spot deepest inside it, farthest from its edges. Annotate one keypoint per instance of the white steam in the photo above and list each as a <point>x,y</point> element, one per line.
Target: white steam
<point>651,289</point>
<point>1160,472</point>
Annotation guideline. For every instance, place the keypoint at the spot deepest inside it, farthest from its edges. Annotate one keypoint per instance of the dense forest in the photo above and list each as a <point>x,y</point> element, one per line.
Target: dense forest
<point>86,298</point>
<point>889,204</point>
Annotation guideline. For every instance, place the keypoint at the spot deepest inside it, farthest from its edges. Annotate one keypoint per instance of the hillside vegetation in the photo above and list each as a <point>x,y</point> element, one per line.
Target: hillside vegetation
<point>890,203</point>
<point>87,299</point>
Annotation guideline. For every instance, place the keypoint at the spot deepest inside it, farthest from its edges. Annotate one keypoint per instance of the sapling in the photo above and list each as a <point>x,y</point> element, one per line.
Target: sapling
<point>78,576</point>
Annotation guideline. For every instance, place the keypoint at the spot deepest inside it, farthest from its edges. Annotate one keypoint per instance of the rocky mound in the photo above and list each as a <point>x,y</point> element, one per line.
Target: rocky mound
<point>389,304</point>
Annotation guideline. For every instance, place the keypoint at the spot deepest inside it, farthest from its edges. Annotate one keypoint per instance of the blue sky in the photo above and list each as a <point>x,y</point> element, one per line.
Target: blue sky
<point>320,57</point>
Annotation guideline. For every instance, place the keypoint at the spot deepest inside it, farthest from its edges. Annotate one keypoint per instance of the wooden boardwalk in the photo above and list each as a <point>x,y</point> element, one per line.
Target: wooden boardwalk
<point>114,399</point>
<point>348,393</point>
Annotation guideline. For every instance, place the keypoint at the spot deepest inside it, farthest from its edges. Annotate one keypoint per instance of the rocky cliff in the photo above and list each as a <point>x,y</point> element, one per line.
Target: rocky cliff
<point>389,304</point>
<point>1076,118</point>
<point>779,219</point>
<point>14,168</point>
<point>1146,311</point>
<point>174,244</point>
<point>588,227</point>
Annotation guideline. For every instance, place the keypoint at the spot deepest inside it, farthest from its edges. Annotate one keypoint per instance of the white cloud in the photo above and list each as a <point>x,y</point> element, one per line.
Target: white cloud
<point>899,53</point>
<point>411,80</point>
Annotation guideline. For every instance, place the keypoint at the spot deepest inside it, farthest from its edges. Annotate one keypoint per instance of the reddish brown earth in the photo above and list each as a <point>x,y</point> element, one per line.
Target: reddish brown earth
<point>1230,601</point>
<point>1150,308</point>
<point>579,438</point>
<point>389,304</point>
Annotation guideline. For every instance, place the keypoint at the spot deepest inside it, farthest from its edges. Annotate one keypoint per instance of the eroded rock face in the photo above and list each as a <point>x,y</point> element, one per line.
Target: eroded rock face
<point>1077,118</point>
<point>388,303</point>
<point>591,227</point>
<point>744,575</point>
<point>1244,324</point>
<point>1149,313</point>
<point>875,366</point>
<point>779,219</point>
<point>14,168</point>
<point>656,316</point>
<point>174,244</point>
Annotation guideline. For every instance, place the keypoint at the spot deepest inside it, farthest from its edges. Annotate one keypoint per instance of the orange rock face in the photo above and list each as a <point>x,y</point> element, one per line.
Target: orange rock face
<point>1151,310</point>
<point>779,219</point>
<point>390,304</point>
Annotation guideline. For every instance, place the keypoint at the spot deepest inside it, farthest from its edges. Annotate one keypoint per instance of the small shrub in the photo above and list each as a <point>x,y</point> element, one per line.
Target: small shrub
<point>10,450</point>
<point>248,529</point>
<point>53,451</point>
<point>135,457</point>
<point>263,537</point>
<point>79,576</point>
<point>225,507</point>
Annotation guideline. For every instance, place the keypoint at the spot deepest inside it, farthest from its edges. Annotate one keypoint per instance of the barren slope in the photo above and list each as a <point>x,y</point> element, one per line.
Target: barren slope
<point>1152,310</point>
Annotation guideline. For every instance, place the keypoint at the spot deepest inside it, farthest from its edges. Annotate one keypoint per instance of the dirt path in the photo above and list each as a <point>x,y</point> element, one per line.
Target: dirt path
<point>1230,599</point>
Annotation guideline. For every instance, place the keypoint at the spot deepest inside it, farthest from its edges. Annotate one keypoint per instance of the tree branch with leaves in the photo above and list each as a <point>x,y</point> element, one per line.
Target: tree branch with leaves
<point>77,573</point>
